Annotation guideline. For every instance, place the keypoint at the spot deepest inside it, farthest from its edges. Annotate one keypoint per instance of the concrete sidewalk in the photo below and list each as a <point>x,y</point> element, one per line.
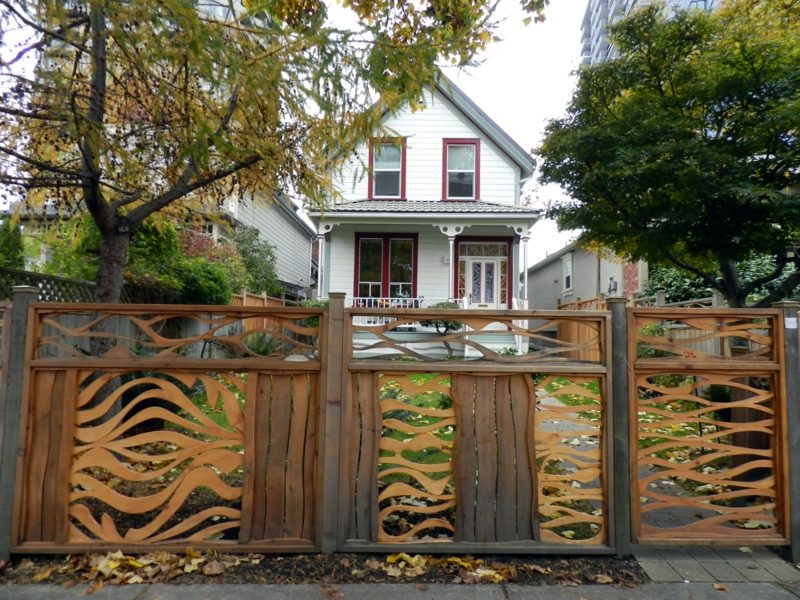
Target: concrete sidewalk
<point>654,591</point>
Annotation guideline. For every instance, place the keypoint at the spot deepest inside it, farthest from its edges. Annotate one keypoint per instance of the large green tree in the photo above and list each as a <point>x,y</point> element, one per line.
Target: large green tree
<point>136,105</point>
<point>684,149</point>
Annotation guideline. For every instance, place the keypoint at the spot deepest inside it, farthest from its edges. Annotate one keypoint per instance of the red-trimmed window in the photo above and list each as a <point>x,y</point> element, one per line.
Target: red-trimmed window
<point>385,266</point>
<point>387,172</point>
<point>461,166</point>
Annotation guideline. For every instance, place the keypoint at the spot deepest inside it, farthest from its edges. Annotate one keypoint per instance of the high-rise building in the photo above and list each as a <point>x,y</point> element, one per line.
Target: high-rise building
<point>601,14</point>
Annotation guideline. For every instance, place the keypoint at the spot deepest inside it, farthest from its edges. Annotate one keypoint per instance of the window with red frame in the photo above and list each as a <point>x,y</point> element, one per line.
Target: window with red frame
<point>387,177</point>
<point>385,266</point>
<point>461,165</point>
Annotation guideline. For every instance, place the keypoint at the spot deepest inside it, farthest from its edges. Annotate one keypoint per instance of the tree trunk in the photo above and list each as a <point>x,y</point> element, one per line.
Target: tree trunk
<point>113,257</point>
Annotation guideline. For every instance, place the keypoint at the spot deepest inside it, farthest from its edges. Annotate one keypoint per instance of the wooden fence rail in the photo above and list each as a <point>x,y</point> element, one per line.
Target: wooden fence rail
<point>316,431</point>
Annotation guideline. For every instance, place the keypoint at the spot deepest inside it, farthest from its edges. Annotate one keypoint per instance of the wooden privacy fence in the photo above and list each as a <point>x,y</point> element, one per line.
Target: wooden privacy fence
<point>323,433</point>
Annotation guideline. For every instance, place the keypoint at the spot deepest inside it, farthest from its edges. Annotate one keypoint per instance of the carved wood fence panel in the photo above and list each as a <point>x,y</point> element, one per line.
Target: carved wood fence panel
<point>708,410</point>
<point>139,444</point>
<point>457,442</point>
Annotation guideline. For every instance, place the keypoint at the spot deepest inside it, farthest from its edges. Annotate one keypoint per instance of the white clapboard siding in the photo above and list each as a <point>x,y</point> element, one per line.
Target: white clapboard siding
<point>425,131</point>
<point>291,241</point>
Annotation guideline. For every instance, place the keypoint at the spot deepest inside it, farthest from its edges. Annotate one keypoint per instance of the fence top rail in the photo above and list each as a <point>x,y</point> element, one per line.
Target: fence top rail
<point>680,311</point>
<point>177,309</point>
<point>583,315</point>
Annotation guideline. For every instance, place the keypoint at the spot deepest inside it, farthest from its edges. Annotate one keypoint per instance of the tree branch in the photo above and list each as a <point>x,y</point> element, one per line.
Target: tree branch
<point>781,262</point>
<point>39,164</point>
<point>36,26</point>
<point>182,188</point>
<point>782,291</point>
<point>692,269</point>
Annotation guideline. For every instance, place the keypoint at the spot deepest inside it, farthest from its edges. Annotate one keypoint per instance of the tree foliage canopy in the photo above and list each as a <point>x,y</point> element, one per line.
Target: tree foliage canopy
<point>684,150</point>
<point>136,105</point>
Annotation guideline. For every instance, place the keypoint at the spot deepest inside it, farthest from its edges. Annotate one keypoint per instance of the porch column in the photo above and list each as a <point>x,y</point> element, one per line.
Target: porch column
<point>451,239</point>
<point>524,251</point>
<point>320,263</point>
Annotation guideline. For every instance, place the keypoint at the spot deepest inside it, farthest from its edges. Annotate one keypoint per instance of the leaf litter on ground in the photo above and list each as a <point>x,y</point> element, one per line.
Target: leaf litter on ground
<point>118,568</point>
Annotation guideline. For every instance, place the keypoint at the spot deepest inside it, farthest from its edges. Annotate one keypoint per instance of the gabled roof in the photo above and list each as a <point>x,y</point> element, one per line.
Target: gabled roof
<point>485,124</point>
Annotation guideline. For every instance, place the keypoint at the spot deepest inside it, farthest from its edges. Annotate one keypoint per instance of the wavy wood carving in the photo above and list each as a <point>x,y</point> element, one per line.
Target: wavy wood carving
<point>131,334</point>
<point>130,485</point>
<point>414,465</point>
<point>569,431</point>
<point>484,338</point>
<point>696,336</point>
<point>707,456</point>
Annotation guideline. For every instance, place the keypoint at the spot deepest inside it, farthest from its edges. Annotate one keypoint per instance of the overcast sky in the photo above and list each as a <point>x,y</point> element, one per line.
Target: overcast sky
<point>524,81</point>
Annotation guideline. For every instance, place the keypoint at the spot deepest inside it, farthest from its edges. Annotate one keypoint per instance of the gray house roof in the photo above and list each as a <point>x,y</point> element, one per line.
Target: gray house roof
<point>372,208</point>
<point>486,125</point>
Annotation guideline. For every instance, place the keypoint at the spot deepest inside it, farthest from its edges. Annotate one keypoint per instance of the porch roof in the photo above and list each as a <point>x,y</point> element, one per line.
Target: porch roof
<point>444,209</point>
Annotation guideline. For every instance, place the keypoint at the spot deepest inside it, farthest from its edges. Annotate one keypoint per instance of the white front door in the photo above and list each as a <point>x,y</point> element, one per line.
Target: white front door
<point>483,282</point>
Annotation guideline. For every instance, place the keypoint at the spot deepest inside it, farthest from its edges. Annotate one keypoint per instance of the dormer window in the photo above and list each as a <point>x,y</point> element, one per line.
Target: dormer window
<point>461,165</point>
<point>387,177</point>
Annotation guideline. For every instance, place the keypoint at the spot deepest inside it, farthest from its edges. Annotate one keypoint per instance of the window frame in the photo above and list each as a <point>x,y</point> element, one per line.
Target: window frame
<point>567,265</point>
<point>476,191</point>
<point>396,141</point>
<point>385,260</point>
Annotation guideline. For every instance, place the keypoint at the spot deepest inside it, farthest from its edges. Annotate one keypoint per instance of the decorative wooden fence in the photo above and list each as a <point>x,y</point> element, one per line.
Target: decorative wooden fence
<point>458,443</point>
<point>321,432</point>
<point>711,426</point>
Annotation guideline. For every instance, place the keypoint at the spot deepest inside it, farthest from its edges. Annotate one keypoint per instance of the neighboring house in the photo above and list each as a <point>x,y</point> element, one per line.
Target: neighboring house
<point>431,212</point>
<point>280,225</point>
<point>573,274</point>
<point>277,222</point>
<point>600,15</point>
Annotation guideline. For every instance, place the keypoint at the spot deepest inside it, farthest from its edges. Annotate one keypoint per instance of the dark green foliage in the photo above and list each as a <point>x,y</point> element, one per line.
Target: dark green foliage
<point>259,261</point>
<point>681,285</point>
<point>442,326</point>
<point>684,150</point>
<point>203,283</point>
<point>10,245</point>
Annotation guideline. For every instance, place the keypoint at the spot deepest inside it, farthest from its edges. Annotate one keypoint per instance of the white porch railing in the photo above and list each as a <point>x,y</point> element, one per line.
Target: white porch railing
<point>364,302</point>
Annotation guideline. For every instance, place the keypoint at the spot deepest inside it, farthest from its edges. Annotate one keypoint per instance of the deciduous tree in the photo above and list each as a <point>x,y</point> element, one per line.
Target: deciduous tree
<point>684,150</point>
<point>136,106</point>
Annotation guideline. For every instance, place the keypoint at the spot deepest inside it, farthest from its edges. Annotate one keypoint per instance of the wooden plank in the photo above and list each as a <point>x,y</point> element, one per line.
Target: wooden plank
<point>310,488</point>
<point>366,479</point>
<point>506,512</point>
<point>348,460</point>
<point>14,441</point>
<point>178,362</point>
<point>64,456</point>
<point>522,414</point>
<point>336,349</point>
<point>262,416</point>
<point>465,463</point>
<point>35,466</point>
<point>618,413</point>
<point>280,415</point>
<point>486,443</point>
<point>474,367</point>
<point>251,445</point>
<point>295,458</point>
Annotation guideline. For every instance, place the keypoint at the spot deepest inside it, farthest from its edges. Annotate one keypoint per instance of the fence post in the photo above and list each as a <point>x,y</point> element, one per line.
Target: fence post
<point>791,375</point>
<point>334,375</point>
<point>620,426</point>
<point>24,296</point>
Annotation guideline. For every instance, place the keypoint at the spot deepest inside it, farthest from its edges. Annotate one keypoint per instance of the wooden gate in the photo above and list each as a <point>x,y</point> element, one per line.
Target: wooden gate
<point>709,426</point>
<point>458,442</point>
<point>137,436</point>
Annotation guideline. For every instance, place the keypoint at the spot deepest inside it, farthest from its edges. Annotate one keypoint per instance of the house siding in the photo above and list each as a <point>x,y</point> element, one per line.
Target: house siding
<point>499,177</point>
<point>291,241</point>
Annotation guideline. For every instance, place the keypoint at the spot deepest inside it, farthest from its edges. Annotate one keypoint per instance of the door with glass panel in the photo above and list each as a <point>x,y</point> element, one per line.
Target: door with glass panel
<point>483,282</point>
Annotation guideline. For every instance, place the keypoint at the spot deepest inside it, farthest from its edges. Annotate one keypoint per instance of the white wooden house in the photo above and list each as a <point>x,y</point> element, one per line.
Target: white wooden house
<point>431,212</point>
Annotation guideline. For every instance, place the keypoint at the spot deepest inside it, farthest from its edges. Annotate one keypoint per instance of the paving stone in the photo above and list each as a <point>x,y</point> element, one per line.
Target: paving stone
<point>689,569</point>
<point>703,553</point>
<point>753,571</point>
<point>659,570</point>
<point>722,571</point>
<point>782,570</point>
